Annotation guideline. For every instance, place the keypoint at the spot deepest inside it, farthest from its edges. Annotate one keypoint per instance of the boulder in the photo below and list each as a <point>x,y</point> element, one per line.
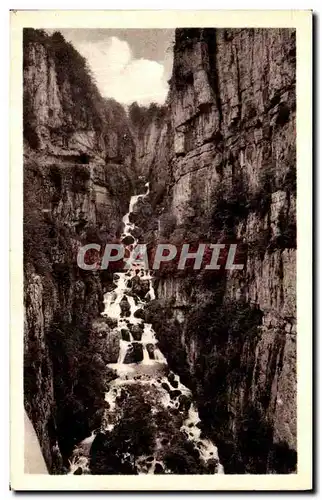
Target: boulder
<point>125,307</point>
<point>172,380</point>
<point>137,232</point>
<point>140,287</point>
<point>134,353</point>
<point>212,466</point>
<point>175,394</point>
<point>125,334</point>
<point>136,331</point>
<point>139,314</point>
<point>150,349</point>
<point>132,217</point>
<point>111,322</point>
<point>184,402</point>
<point>105,340</point>
<point>128,240</point>
<point>158,469</point>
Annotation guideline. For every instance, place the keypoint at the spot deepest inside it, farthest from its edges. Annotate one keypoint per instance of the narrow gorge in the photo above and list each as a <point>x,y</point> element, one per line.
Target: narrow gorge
<point>167,371</point>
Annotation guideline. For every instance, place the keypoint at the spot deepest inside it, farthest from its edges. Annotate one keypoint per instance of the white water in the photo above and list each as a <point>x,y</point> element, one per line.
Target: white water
<point>150,372</point>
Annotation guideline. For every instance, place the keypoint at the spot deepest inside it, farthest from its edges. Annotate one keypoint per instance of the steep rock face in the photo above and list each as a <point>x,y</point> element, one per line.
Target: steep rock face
<point>233,179</point>
<point>151,129</point>
<point>78,177</point>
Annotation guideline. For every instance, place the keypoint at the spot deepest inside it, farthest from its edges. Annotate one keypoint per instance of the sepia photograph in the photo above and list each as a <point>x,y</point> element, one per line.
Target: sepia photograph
<point>160,199</point>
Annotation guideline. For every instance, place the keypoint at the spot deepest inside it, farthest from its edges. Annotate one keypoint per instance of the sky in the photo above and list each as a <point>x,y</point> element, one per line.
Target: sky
<point>128,65</point>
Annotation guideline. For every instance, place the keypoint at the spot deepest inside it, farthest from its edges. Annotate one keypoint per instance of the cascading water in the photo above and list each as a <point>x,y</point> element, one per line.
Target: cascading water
<point>141,364</point>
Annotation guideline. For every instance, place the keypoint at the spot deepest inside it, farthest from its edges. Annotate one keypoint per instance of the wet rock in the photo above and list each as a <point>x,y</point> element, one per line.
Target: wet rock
<point>109,287</point>
<point>125,335</point>
<point>150,349</point>
<point>98,362</point>
<point>125,307</point>
<point>136,331</point>
<point>139,314</point>
<point>132,217</point>
<point>158,469</point>
<point>184,402</point>
<point>111,322</point>
<point>172,380</point>
<point>165,386</point>
<point>128,240</point>
<point>140,287</point>
<point>134,353</point>
<point>137,232</point>
<point>104,340</point>
<point>175,394</point>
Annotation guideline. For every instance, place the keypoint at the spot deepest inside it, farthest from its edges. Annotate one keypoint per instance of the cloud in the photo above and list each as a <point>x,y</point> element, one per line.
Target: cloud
<point>120,76</point>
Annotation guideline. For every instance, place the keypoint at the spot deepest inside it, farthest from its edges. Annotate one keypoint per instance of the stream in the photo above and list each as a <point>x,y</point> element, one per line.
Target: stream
<point>142,369</point>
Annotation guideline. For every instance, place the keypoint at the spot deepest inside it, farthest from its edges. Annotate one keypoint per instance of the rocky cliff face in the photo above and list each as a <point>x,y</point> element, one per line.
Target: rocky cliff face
<point>221,160</point>
<point>232,178</point>
<point>151,130</point>
<point>78,177</point>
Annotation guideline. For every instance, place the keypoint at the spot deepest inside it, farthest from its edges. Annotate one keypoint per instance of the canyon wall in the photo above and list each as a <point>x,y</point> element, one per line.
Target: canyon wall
<point>231,178</point>
<point>78,177</point>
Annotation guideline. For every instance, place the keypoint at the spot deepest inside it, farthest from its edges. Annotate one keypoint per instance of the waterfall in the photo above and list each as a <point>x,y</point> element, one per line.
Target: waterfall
<point>123,351</point>
<point>141,362</point>
<point>158,356</point>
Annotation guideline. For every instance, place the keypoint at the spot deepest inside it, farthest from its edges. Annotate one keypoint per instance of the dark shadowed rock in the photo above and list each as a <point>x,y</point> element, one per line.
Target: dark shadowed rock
<point>139,314</point>
<point>212,466</point>
<point>125,335</point>
<point>150,349</point>
<point>158,469</point>
<point>125,307</point>
<point>109,287</point>
<point>136,331</point>
<point>175,394</point>
<point>172,380</point>
<point>78,471</point>
<point>105,340</point>
<point>128,240</point>
<point>184,402</point>
<point>134,353</point>
<point>140,287</point>
<point>137,232</point>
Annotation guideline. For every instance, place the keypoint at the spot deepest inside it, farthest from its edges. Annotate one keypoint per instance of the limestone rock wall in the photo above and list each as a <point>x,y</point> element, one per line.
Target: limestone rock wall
<point>233,165</point>
<point>78,177</point>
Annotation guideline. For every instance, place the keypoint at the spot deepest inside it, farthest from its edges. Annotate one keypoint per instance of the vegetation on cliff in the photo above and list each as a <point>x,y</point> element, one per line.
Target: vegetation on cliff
<point>76,103</point>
